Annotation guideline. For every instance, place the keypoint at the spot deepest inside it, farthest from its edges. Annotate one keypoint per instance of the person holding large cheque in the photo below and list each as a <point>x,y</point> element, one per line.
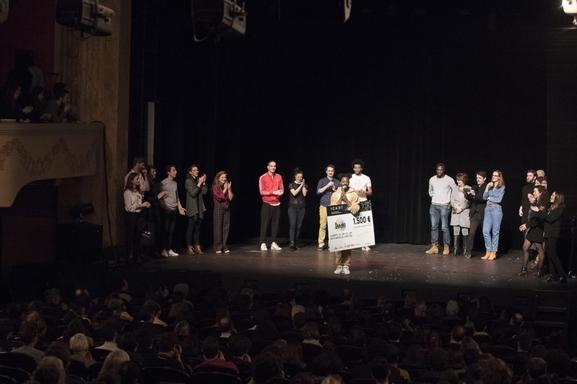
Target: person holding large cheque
<point>344,195</point>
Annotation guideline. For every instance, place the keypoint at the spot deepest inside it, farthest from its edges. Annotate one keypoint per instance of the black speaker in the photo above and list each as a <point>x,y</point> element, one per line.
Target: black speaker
<point>79,243</point>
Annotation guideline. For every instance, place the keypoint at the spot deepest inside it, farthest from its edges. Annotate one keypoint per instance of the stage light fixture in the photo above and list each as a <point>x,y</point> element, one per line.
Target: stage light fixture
<point>570,8</point>
<point>223,17</point>
<point>89,16</point>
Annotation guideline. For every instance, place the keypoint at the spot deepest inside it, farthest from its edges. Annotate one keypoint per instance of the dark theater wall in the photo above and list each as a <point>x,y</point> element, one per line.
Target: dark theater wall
<point>401,92</point>
<point>30,26</point>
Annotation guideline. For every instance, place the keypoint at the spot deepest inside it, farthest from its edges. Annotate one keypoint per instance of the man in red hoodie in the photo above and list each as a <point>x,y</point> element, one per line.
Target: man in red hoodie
<point>271,189</point>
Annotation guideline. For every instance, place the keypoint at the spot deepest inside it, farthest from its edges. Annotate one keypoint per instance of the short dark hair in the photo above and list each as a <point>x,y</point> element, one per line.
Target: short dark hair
<point>531,170</point>
<point>347,175</point>
<point>137,160</point>
<point>210,347</point>
<point>28,332</point>
<point>109,331</point>
<point>380,370</point>
<point>359,162</point>
<point>60,350</point>
<point>166,341</point>
<point>192,166</point>
<point>483,174</point>
<point>442,165</point>
<point>330,166</point>
<point>270,161</point>
<point>296,171</point>
<point>169,167</point>
<point>238,345</point>
<point>60,93</point>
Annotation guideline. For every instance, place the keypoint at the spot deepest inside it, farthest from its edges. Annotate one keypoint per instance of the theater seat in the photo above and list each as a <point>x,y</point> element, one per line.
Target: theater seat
<point>156,375</point>
<point>214,378</point>
<point>7,380</point>
<point>17,374</point>
<point>18,360</point>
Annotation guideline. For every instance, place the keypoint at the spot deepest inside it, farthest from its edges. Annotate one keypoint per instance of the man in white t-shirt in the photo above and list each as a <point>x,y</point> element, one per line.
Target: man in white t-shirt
<point>441,186</point>
<point>361,184</point>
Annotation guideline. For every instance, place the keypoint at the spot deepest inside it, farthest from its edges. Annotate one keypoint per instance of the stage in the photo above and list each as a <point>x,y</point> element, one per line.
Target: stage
<point>387,269</point>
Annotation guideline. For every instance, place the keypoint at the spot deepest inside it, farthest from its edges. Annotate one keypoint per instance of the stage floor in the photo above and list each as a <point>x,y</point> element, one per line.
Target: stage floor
<point>385,265</point>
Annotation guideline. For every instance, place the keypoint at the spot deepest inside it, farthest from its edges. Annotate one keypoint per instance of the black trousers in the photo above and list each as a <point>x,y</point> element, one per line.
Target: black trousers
<point>296,216</point>
<point>476,222</point>
<point>168,226</point>
<point>555,267</point>
<point>134,224</point>
<point>269,215</point>
<point>193,230</point>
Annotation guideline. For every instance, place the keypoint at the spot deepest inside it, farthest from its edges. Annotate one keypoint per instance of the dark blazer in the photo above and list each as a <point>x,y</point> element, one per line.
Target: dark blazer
<point>194,197</point>
<point>477,203</point>
<point>535,226</point>
<point>527,189</point>
<point>553,222</point>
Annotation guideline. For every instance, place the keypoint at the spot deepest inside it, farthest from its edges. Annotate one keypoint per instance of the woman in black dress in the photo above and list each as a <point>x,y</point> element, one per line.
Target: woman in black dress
<point>552,221</point>
<point>534,229</point>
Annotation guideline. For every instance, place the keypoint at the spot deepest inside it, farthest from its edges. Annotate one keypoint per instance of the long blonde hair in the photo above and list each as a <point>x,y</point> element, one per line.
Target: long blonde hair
<point>501,178</point>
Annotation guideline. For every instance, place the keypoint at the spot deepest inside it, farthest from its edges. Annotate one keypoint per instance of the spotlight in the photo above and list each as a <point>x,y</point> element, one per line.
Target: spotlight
<point>570,8</point>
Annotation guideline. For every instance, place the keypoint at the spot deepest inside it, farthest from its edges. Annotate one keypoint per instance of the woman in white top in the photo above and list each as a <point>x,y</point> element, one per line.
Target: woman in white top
<point>133,206</point>
<point>460,215</point>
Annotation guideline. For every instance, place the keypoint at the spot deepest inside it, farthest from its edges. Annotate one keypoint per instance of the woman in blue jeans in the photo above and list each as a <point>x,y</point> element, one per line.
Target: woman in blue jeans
<point>493,214</point>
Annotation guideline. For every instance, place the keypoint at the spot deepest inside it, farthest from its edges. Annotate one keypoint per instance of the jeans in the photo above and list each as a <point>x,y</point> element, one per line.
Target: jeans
<point>269,214</point>
<point>440,212</point>
<point>492,227</point>
<point>193,230</point>
<point>296,216</point>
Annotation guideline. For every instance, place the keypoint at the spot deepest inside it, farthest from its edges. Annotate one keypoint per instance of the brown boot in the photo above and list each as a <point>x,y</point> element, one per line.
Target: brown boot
<point>487,255</point>
<point>446,250</point>
<point>492,256</point>
<point>198,250</point>
<point>434,250</point>
<point>190,250</point>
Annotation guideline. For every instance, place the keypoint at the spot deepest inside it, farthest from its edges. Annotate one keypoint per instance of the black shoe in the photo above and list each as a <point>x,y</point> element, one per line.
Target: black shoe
<point>550,279</point>
<point>456,251</point>
<point>562,280</point>
<point>467,254</point>
<point>523,272</point>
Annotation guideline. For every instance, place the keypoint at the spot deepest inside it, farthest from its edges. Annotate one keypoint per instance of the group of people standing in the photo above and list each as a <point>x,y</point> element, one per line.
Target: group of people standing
<point>147,198</point>
<point>481,206</point>
<point>271,189</point>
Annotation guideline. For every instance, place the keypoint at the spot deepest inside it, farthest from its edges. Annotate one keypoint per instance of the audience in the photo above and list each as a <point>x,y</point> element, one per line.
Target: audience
<point>283,337</point>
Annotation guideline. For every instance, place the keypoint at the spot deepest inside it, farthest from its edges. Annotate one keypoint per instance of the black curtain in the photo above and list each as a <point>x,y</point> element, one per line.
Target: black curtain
<point>399,93</point>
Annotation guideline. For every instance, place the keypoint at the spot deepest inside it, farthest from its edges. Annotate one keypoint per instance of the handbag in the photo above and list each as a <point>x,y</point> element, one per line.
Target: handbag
<point>147,235</point>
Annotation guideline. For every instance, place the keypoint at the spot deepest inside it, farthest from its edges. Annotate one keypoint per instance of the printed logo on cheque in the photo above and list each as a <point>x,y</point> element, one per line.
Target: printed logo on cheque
<point>340,225</point>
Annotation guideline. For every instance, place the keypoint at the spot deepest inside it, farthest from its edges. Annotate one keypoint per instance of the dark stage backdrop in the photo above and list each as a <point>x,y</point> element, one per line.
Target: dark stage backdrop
<point>401,92</point>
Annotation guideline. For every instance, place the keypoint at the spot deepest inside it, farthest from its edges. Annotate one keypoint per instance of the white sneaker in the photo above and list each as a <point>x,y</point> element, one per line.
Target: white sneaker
<point>366,248</point>
<point>172,253</point>
<point>218,252</point>
<point>164,253</point>
<point>346,270</point>
<point>263,247</point>
<point>339,270</point>
<point>274,246</point>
